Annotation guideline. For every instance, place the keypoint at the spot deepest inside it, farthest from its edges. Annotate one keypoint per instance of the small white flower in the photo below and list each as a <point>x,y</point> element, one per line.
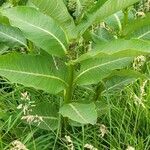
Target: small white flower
<point>17,145</point>
<point>140,14</point>
<point>25,96</point>
<point>68,139</point>
<point>103,130</point>
<point>140,99</point>
<point>90,147</point>
<point>33,119</point>
<point>26,104</point>
<point>70,142</point>
<point>20,106</point>
<point>139,62</point>
<point>130,148</point>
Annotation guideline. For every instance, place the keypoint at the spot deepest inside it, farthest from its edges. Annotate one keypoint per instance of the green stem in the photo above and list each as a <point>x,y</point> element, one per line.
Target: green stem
<point>69,90</point>
<point>126,15</point>
<point>30,46</point>
<point>98,91</point>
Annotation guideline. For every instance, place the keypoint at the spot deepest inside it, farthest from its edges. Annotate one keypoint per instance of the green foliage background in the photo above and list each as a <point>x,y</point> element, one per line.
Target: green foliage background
<point>121,100</point>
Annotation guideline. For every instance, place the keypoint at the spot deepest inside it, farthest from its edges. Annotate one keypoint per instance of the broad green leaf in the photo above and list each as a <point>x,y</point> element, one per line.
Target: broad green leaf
<point>74,123</point>
<point>46,116</point>
<point>3,20</point>
<point>102,35</point>
<point>97,68</point>
<point>95,7</point>
<point>11,36</point>
<point>30,4</point>
<point>58,11</point>
<point>3,48</point>
<point>101,13</point>
<point>120,48</point>
<point>142,33</point>
<point>116,21</point>
<point>82,113</point>
<point>121,45</point>
<point>32,71</point>
<point>86,6</point>
<point>139,28</point>
<point>112,6</point>
<point>119,79</point>
<point>40,29</point>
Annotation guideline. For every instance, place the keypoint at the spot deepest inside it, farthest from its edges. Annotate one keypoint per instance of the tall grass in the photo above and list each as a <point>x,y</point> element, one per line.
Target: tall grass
<point>124,114</point>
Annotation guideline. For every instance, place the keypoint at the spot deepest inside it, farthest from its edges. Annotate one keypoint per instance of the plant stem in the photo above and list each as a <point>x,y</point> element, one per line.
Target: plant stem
<point>69,90</point>
<point>83,137</point>
<point>126,15</point>
<point>98,91</point>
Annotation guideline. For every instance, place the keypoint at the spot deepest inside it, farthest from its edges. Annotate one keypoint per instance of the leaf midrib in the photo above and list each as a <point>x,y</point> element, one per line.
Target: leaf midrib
<point>34,74</point>
<point>97,66</point>
<point>13,38</point>
<point>78,113</point>
<point>144,34</point>
<point>116,85</point>
<point>58,40</point>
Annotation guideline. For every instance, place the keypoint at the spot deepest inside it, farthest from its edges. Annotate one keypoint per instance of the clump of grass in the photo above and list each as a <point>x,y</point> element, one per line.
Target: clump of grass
<point>123,121</point>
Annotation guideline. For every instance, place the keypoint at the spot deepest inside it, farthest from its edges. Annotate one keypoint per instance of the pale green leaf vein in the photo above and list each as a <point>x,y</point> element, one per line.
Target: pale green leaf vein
<point>141,36</point>
<point>34,74</point>
<point>37,27</point>
<point>13,38</point>
<point>78,113</point>
<point>97,66</point>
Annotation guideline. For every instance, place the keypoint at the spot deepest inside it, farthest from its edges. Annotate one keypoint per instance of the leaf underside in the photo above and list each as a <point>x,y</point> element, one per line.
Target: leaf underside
<point>58,11</point>
<point>82,113</point>
<point>96,69</point>
<point>31,71</point>
<point>11,36</point>
<point>40,29</point>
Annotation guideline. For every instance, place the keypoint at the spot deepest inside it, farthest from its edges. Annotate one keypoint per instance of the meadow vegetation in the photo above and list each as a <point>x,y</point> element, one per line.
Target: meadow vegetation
<point>74,75</point>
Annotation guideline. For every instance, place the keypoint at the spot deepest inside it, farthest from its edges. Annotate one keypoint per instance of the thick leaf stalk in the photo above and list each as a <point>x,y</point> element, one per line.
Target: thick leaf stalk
<point>69,90</point>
